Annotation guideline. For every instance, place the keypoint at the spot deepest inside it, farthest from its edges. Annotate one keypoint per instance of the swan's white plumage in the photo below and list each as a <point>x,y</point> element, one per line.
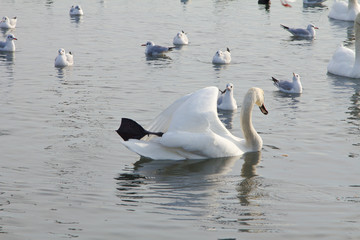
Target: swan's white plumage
<point>345,11</point>
<point>9,23</point>
<point>346,62</point>
<point>192,130</point>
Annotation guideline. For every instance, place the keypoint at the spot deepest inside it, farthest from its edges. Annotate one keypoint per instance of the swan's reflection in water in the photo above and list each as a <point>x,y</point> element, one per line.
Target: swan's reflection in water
<point>203,190</point>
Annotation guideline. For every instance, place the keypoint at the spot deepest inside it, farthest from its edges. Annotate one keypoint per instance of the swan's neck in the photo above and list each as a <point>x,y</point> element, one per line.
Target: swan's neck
<point>357,44</point>
<point>252,139</point>
<point>352,4</point>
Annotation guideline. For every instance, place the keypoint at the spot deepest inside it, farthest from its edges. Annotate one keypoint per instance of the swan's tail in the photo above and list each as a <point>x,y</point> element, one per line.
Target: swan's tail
<point>129,129</point>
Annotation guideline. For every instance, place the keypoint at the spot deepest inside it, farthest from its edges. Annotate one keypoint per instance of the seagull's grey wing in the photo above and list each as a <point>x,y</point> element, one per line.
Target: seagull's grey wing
<point>2,44</point>
<point>159,49</point>
<point>220,98</point>
<point>286,85</point>
<point>299,31</point>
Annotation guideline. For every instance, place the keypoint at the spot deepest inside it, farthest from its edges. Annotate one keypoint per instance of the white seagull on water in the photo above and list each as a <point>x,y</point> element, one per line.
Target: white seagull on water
<point>288,86</point>
<point>9,23</point>
<point>226,100</point>
<point>64,59</point>
<point>155,50</point>
<point>309,32</point>
<point>8,45</point>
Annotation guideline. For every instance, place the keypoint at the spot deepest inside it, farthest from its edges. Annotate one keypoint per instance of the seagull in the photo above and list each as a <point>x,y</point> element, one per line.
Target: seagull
<point>8,23</point>
<point>226,100</point>
<point>76,11</point>
<point>221,57</point>
<point>181,39</point>
<point>8,45</point>
<point>309,32</point>
<point>155,50</point>
<point>64,59</point>
<point>287,86</point>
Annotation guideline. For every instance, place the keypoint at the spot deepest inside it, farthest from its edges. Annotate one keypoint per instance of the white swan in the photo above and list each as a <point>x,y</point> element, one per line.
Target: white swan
<point>64,59</point>
<point>190,129</point>
<point>226,100</point>
<point>181,39</point>
<point>345,62</point>
<point>221,57</point>
<point>288,86</point>
<point>76,11</point>
<point>8,45</point>
<point>341,10</point>
<point>8,23</point>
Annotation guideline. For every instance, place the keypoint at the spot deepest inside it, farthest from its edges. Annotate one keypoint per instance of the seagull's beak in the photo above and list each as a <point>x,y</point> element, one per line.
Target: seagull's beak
<point>316,27</point>
<point>143,44</point>
<point>14,38</point>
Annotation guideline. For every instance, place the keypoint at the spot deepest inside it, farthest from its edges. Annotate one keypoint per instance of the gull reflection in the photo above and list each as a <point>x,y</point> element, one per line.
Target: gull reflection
<point>227,118</point>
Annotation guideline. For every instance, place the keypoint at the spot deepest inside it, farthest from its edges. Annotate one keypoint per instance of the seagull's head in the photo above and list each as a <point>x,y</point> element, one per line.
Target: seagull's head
<point>229,87</point>
<point>219,53</point>
<point>296,77</point>
<point>5,19</point>
<point>149,43</point>
<point>312,26</point>
<point>10,37</point>
<point>61,51</point>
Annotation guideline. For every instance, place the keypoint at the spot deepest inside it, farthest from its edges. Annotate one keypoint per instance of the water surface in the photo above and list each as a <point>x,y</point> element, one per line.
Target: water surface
<point>64,173</point>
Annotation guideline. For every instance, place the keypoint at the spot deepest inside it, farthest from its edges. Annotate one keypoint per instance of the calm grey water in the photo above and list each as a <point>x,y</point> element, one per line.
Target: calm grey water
<point>64,173</point>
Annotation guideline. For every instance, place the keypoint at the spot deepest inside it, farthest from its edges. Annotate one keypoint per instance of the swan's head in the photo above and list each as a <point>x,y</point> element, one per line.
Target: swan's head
<point>61,51</point>
<point>148,44</point>
<point>258,98</point>
<point>10,37</point>
<point>296,77</point>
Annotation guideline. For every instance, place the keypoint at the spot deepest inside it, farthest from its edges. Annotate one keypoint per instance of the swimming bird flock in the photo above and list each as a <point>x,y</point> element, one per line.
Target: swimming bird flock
<point>190,128</point>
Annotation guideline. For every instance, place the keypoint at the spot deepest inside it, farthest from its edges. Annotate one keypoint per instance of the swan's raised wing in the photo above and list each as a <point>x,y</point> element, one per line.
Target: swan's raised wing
<point>196,128</point>
<point>162,122</point>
